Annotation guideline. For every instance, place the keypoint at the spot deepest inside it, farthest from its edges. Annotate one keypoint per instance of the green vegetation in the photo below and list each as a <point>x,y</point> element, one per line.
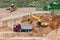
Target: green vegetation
<point>24,3</point>
<point>39,4</point>
<point>47,5</point>
<point>52,5</point>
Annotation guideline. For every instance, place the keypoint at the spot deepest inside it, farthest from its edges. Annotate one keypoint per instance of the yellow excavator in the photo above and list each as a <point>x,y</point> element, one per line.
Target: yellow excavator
<point>39,23</point>
<point>11,8</point>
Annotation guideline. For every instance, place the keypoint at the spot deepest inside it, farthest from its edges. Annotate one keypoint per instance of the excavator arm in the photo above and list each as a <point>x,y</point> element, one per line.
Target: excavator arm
<point>38,19</point>
<point>31,15</point>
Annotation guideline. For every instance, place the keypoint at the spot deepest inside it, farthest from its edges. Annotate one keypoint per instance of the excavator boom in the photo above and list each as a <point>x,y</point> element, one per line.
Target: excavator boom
<point>38,19</point>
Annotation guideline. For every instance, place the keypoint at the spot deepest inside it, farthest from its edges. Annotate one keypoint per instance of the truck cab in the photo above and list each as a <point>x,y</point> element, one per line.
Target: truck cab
<point>17,27</point>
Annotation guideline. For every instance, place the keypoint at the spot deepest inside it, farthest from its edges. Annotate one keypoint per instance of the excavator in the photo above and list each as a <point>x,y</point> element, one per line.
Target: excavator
<point>39,23</point>
<point>11,8</point>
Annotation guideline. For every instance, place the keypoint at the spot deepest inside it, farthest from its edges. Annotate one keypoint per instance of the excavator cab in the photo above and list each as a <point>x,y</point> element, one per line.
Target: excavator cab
<point>39,24</point>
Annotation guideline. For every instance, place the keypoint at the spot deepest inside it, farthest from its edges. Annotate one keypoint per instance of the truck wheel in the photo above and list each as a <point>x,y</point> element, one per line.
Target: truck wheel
<point>20,30</point>
<point>28,30</point>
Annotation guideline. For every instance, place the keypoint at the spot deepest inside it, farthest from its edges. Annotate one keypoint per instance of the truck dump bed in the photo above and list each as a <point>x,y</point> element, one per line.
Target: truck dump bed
<point>26,26</point>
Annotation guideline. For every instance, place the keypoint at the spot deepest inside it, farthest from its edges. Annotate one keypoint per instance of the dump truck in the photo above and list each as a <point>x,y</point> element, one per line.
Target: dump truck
<point>22,28</point>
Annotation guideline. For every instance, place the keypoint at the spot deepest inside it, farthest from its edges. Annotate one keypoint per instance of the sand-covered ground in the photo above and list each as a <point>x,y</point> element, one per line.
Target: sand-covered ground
<point>50,32</point>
